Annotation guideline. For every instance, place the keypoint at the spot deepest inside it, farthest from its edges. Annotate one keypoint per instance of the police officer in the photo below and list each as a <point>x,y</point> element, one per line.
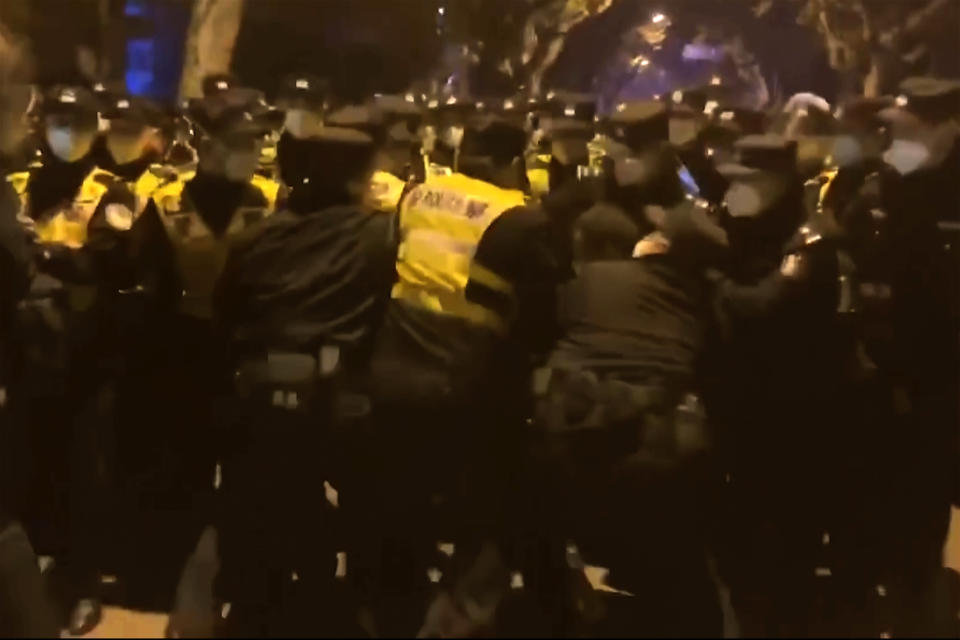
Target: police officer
<point>919,196</point>
<point>444,132</point>
<point>59,387</point>
<point>620,417</point>
<point>561,109</point>
<point>400,159</point>
<point>782,312</point>
<point>135,138</point>
<point>180,244</point>
<point>474,271</point>
<point>62,194</point>
<point>300,298</point>
<point>641,166</point>
<point>24,610</point>
<point>304,100</point>
<point>691,134</point>
<point>15,260</point>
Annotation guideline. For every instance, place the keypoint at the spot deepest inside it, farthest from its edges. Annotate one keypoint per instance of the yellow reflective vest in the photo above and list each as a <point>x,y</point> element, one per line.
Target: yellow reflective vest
<point>441,224</point>
<point>538,174</point>
<point>201,255</point>
<point>67,226</point>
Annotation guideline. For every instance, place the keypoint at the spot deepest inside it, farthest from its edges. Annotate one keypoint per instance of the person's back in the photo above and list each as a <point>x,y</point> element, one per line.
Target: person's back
<point>448,311</point>
<point>303,281</point>
<point>633,318</point>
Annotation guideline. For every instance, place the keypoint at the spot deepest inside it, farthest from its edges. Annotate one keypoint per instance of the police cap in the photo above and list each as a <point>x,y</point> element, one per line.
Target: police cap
<point>863,111</point>
<point>639,124</point>
<point>106,91</point>
<point>219,82</point>
<point>493,136</point>
<point>931,99</point>
<point>234,111</point>
<point>135,110</point>
<point>399,108</point>
<point>808,120</point>
<point>694,99</point>
<point>745,122</point>
<point>303,91</point>
<point>568,104</point>
<point>75,104</point>
<point>359,117</point>
<point>762,153</point>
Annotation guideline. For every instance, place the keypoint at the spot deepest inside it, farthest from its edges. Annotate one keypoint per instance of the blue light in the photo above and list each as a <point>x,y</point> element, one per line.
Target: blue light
<point>140,64</point>
<point>135,8</point>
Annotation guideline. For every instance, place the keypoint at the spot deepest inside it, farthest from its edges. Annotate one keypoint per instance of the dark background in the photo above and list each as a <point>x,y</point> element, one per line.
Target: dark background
<point>385,45</point>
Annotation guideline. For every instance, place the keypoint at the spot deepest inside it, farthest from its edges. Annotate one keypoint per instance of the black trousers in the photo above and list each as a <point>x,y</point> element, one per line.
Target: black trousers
<point>24,609</point>
<point>419,476</point>
<point>277,529</point>
<point>630,506</point>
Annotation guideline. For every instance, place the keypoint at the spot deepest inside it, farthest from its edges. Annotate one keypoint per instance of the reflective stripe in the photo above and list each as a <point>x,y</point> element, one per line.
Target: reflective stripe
<point>483,276</point>
<point>451,304</point>
<point>830,176</point>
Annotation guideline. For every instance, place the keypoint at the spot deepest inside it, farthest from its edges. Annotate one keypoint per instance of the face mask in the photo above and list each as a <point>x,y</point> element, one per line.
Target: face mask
<point>743,200</point>
<point>749,198</point>
<point>906,156</point>
<point>240,166</point>
<point>68,144</point>
<point>847,151</point>
<point>126,148</point>
<point>452,137</point>
<point>683,130</point>
<point>634,170</point>
<point>300,122</point>
<point>429,138</point>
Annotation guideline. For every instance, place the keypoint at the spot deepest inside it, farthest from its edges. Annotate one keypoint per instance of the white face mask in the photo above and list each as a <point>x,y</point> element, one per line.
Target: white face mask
<point>428,138</point>
<point>743,200</point>
<point>634,170</point>
<point>300,123</point>
<point>748,198</point>
<point>126,148</point>
<point>453,136</point>
<point>68,144</point>
<point>234,164</point>
<point>847,151</point>
<point>240,167</point>
<point>683,130</point>
<point>906,156</point>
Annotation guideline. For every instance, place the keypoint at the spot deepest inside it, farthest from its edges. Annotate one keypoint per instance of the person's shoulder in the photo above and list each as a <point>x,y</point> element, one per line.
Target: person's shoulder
<point>524,218</point>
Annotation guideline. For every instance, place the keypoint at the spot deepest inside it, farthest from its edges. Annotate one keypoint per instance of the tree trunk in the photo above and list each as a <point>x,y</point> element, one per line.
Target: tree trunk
<point>210,42</point>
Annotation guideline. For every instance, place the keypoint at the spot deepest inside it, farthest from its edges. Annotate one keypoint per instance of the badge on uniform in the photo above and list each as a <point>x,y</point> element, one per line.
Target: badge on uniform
<point>119,216</point>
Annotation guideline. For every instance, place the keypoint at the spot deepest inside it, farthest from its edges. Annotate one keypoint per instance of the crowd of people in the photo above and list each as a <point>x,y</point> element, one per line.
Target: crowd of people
<point>457,365</point>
